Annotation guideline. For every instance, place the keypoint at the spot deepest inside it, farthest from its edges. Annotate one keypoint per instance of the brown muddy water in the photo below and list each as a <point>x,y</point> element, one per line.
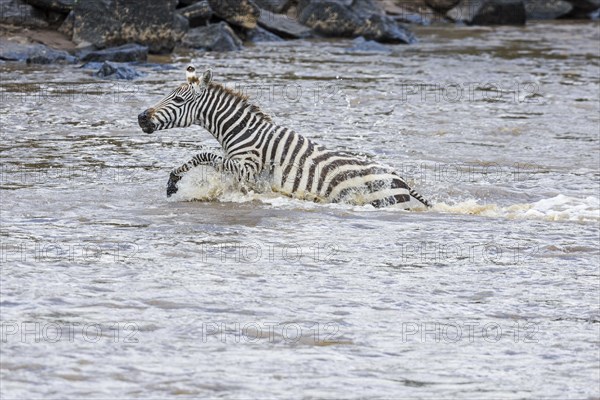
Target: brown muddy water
<point>108,289</point>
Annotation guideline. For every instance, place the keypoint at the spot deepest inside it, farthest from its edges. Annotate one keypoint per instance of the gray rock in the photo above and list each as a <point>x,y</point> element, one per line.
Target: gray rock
<point>584,9</point>
<point>242,13</point>
<point>500,12</point>
<point>352,19</point>
<point>113,70</point>
<point>33,54</point>
<point>276,6</point>
<point>489,12</point>
<point>259,35</point>
<point>180,25</point>
<point>586,5</point>
<point>411,13</point>
<point>125,53</point>
<point>114,22</point>
<point>197,14</point>
<point>385,30</point>
<point>442,6</point>
<point>283,26</point>
<point>365,8</point>
<point>361,45</point>
<point>66,27</point>
<point>16,12</point>
<point>216,37</point>
<point>330,18</point>
<point>61,6</point>
<point>547,9</point>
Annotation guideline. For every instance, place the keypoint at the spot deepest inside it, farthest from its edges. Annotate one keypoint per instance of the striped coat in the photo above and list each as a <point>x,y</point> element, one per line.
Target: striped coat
<point>256,147</point>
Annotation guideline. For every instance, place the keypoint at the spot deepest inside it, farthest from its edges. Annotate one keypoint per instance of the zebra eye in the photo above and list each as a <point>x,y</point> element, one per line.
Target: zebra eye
<point>179,99</point>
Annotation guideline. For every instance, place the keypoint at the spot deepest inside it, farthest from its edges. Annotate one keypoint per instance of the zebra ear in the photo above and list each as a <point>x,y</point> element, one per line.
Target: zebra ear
<point>190,73</point>
<point>206,77</point>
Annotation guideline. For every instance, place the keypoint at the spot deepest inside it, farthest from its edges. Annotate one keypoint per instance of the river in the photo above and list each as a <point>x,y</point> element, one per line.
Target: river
<point>109,289</point>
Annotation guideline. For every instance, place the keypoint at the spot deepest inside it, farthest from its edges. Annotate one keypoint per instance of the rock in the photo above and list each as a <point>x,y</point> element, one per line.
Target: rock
<point>489,12</point>
<point>412,13</point>
<point>216,37</point>
<point>259,34</point>
<point>352,19</point>
<point>15,12</point>
<point>275,6</point>
<point>585,5</point>
<point>34,54</point>
<point>442,6</point>
<point>242,13</point>
<point>365,8</point>
<point>361,45</point>
<point>330,18</point>
<point>197,14</point>
<point>500,12</point>
<point>385,30</point>
<point>61,6</point>
<point>282,25</point>
<point>547,9</point>
<point>66,27</point>
<point>125,53</point>
<point>180,25</point>
<point>584,9</point>
<point>115,70</point>
<point>114,22</point>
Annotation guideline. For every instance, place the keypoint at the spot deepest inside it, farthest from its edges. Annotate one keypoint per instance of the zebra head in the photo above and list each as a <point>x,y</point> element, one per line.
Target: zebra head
<point>180,107</point>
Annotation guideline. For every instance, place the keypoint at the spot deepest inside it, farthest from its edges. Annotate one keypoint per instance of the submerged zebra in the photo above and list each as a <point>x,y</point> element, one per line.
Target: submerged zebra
<point>255,146</point>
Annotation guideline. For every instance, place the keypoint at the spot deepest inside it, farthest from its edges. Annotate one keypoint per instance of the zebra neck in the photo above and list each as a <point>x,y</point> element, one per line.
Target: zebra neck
<point>233,121</point>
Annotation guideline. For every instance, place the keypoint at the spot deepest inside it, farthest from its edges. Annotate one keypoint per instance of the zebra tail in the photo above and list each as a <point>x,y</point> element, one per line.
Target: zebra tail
<point>417,196</point>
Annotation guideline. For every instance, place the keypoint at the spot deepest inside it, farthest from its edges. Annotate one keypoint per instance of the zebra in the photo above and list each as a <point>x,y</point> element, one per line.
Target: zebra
<point>253,146</point>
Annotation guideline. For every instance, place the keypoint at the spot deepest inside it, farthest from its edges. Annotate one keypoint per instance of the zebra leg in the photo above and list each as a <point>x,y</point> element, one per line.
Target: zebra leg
<point>244,170</point>
<point>204,158</point>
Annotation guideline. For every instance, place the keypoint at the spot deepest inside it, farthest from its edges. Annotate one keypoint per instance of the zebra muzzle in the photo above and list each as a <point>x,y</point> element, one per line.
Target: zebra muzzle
<point>145,123</point>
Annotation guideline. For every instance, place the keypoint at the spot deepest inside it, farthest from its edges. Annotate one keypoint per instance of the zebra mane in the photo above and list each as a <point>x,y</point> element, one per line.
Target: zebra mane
<point>242,99</point>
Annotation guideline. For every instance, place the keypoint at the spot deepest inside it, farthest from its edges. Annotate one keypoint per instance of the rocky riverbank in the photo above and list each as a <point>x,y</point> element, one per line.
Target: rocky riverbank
<point>117,31</point>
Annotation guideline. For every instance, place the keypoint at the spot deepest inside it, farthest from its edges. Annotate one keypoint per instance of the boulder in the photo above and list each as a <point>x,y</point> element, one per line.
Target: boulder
<point>197,14</point>
<point>114,22</point>
<point>16,12</point>
<point>442,6</point>
<point>259,34</point>
<point>414,13</point>
<point>384,29</point>
<point>113,70</point>
<point>489,12</point>
<point>352,19</point>
<point>547,9</point>
<point>276,6</point>
<point>500,12</point>
<point>125,53</point>
<point>61,6</point>
<point>361,45</point>
<point>584,9</point>
<point>215,37</point>
<point>282,25</point>
<point>330,18</point>
<point>33,54</point>
<point>66,28</point>
<point>242,13</point>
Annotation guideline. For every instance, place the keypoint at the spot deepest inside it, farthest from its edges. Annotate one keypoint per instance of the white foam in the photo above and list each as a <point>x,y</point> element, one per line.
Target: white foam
<point>206,184</point>
<point>558,208</point>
